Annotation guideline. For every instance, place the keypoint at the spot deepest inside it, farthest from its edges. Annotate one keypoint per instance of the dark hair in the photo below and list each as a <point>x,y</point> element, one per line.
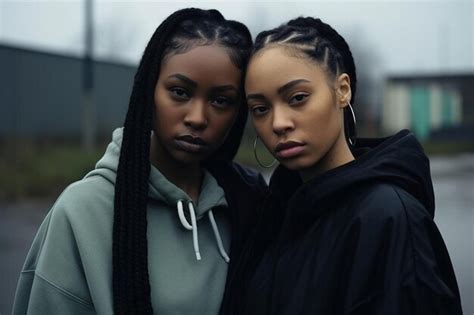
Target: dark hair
<point>181,31</point>
<point>321,43</point>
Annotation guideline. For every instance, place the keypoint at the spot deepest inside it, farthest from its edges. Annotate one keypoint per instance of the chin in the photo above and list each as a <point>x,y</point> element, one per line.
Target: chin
<point>299,164</point>
<point>188,158</point>
<point>293,165</point>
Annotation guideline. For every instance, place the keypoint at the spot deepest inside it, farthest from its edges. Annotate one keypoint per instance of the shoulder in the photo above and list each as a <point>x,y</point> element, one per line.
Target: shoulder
<point>83,206</point>
<point>384,203</point>
<point>88,188</point>
<point>89,192</point>
<point>375,217</point>
<point>54,268</point>
<point>81,218</point>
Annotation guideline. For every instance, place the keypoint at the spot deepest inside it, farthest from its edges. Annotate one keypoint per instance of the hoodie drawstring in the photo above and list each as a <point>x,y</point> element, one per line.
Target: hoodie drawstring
<point>193,227</point>
<point>218,237</point>
<point>195,230</point>
<point>182,218</point>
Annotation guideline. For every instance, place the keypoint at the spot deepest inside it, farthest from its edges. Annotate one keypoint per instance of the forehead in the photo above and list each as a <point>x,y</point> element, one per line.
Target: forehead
<point>275,66</point>
<point>209,63</point>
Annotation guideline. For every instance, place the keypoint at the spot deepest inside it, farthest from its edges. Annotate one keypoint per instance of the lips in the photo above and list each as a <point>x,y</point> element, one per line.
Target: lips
<point>192,144</point>
<point>289,149</point>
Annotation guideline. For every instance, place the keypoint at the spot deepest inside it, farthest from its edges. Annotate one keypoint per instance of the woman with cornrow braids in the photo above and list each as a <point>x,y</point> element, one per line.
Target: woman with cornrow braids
<point>124,240</point>
<point>347,226</point>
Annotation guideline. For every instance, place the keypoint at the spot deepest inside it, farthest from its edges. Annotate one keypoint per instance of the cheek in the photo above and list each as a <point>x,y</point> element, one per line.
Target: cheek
<point>160,94</point>
<point>161,127</point>
<point>165,113</point>
<point>322,118</point>
<point>166,118</point>
<point>222,124</point>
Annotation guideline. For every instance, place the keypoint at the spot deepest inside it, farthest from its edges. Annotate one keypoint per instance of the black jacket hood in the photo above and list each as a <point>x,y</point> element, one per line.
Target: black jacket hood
<point>398,159</point>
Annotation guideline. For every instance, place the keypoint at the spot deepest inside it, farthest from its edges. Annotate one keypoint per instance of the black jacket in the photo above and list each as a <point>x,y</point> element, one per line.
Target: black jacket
<point>358,239</point>
<point>244,192</point>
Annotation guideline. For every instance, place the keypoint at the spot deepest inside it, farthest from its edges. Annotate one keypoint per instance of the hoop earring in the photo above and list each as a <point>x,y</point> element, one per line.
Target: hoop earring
<point>256,157</point>
<point>352,142</point>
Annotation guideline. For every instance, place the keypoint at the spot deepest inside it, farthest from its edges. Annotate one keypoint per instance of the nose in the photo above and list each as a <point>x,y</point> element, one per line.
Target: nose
<point>282,122</point>
<point>196,117</point>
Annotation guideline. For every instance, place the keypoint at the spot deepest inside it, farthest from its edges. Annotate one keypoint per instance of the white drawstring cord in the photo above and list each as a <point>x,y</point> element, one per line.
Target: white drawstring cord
<point>193,227</point>
<point>195,231</point>
<point>182,218</point>
<point>190,227</point>
<point>218,237</point>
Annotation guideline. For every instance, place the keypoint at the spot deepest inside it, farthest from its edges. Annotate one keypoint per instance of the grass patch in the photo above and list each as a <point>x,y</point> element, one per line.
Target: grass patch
<point>42,171</point>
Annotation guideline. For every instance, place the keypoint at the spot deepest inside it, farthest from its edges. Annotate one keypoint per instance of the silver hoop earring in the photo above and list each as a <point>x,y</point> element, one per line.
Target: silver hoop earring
<point>352,142</point>
<point>256,157</point>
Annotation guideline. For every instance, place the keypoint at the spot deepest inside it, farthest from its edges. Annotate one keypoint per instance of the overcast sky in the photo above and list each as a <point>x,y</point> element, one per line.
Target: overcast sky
<point>395,36</point>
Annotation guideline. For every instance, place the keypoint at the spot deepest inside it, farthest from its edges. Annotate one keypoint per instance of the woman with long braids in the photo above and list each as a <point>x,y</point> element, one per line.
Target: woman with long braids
<point>125,238</point>
<point>347,227</point>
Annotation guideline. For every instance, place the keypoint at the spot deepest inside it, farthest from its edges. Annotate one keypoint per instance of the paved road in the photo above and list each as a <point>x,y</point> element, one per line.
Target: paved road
<point>453,180</point>
<point>18,225</point>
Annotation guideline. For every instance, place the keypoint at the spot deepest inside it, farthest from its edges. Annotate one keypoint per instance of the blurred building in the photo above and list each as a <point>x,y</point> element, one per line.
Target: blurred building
<point>432,106</point>
<point>41,95</point>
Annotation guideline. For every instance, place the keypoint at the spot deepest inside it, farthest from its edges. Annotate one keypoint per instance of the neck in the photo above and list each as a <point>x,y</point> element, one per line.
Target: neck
<point>187,176</point>
<point>339,154</point>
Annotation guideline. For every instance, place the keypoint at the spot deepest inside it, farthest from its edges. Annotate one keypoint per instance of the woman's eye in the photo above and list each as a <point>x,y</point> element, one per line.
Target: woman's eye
<point>179,93</point>
<point>222,101</point>
<point>259,110</point>
<point>298,98</point>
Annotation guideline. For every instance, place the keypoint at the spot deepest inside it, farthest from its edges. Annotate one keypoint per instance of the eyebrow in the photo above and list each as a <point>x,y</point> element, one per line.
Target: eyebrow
<point>290,84</point>
<point>255,97</point>
<point>184,79</point>
<point>280,90</point>
<point>192,83</point>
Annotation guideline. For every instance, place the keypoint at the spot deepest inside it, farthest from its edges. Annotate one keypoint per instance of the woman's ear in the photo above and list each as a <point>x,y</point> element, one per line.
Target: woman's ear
<point>343,90</point>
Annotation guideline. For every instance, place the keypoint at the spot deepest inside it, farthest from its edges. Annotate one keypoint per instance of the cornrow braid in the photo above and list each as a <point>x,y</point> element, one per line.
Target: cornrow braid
<point>180,32</point>
<point>321,43</point>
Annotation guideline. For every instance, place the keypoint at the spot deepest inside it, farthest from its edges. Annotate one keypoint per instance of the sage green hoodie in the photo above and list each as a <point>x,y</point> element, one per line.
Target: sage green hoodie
<point>68,269</point>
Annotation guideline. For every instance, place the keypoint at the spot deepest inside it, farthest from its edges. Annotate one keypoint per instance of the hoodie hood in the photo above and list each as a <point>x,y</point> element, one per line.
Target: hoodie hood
<point>398,160</point>
<point>160,188</point>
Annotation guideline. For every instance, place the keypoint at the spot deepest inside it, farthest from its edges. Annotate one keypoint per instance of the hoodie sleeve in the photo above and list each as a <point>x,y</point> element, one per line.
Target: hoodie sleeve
<point>397,262</point>
<point>51,281</point>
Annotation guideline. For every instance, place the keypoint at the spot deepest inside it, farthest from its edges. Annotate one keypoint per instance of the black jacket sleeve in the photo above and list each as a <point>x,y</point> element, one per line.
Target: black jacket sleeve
<point>396,261</point>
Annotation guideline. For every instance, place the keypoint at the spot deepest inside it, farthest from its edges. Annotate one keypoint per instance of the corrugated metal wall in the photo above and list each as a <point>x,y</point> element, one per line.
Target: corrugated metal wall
<point>40,94</point>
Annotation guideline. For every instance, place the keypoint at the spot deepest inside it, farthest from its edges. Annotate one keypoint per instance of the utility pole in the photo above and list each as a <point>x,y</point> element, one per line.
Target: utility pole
<point>89,112</point>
